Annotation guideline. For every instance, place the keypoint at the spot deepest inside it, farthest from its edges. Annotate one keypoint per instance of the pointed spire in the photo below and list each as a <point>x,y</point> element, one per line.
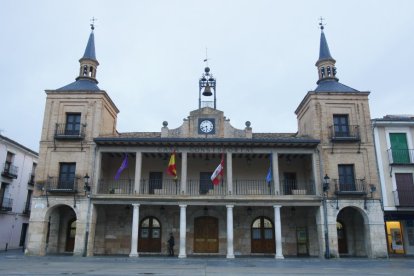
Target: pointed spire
<point>90,47</point>
<point>325,63</point>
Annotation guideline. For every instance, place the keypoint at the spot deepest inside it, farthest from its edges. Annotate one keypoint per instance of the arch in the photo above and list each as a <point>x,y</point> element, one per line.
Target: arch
<point>352,233</point>
<point>149,235</point>
<point>262,235</point>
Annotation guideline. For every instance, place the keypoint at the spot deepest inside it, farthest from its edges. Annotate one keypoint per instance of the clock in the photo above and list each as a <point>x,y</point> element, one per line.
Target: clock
<point>206,126</point>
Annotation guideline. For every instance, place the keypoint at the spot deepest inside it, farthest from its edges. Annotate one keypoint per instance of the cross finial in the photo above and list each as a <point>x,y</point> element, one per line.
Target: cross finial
<point>321,24</point>
<point>93,23</point>
<point>206,59</point>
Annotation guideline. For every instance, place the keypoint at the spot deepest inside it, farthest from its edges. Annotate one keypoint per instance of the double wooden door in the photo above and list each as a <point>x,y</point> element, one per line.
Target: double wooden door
<point>206,235</point>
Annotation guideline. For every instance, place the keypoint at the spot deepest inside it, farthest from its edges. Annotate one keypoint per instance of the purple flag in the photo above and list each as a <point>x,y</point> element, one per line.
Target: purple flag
<point>124,165</point>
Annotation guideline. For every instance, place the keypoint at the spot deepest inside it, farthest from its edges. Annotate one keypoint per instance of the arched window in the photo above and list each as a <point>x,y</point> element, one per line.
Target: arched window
<point>262,239</point>
<point>322,72</point>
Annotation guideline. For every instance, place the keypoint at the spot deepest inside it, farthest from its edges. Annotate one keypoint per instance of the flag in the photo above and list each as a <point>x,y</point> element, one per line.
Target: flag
<point>172,168</point>
<point>269,175</point>
<point>123,166</point>
<point>218,172</point>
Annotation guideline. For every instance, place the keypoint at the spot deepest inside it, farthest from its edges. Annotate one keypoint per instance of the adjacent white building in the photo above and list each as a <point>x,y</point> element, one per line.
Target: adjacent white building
<point>17,165</point>
<point>394,144</point>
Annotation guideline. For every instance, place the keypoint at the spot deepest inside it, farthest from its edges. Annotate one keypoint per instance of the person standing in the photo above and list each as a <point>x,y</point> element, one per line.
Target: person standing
<point>171,245</point>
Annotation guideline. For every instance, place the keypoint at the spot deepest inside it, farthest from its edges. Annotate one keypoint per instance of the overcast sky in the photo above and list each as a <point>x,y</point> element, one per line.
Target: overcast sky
<point>151,53</point>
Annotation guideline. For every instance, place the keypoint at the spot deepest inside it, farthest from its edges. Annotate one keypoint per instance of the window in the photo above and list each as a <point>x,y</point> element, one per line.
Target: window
<point>67,176</point>
<point>205,182</point>
<point>28,202</point>
<point>405,188</point>
<point>72,124</point>
<point>23,234</point>
<point>399,148</point>
<point>341,125</point>
<point>6,202</point>
<point>155,181</point>
<point>346,177</point>
<point>290,182</point>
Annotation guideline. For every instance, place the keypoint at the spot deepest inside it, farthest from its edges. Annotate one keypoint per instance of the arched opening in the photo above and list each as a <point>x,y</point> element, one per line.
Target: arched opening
<point>61,230</point>
<point>350,226</point>
<point>262,236</point>
<point>149,235</point>
<point>206,235</point>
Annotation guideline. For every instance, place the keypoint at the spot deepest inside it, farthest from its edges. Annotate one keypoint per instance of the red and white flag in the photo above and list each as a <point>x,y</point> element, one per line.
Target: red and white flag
<point>218,172</point>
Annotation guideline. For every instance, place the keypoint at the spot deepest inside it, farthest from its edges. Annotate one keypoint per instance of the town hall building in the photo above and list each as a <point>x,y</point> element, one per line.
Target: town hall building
<point>310,193</point>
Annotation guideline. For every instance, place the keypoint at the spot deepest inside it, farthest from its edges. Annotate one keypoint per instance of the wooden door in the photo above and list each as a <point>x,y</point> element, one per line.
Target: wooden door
<point>70,237</point>
<point>342,242</point>
<point>206,235</point>
<point>399,148</point>
<point>149,235</point>
<point>262,239</point>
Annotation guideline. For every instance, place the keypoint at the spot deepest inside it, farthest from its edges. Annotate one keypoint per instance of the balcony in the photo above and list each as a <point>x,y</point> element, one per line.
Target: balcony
<point>6,204</point>
<point>404,197</point>
<point>253,187</point>
<point>401,156</point>
<point>62,132</point>
<point>354,187</point>
<point>31,179</point>
<point>9,171</point>
<point>59,185</point>
<point>294,187</point>
<point>206,187</point>
<point>350,134</point>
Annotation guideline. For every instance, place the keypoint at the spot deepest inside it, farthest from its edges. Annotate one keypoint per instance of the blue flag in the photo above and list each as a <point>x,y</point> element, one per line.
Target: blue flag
<point>124,165</point>
<point>269,175</point>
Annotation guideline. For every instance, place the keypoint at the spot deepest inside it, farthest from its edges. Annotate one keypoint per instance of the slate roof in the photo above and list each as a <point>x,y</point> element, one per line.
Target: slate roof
<point>90,48</point>
<point>332,85</point>
<point>324,52</point>
<point>81,85</point>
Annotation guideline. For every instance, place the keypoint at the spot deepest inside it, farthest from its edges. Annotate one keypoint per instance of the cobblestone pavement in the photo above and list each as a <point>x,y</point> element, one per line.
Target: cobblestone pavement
<point>15,263</point>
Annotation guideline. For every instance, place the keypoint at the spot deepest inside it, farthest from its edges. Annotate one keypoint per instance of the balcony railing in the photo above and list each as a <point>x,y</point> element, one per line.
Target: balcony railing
<point>63,132</point>
<point>401,156</point>
<point>9,170</point>
<point>206,187</point>
<point>62,185</point>
<point>27,209</point>
<point>252,187</point>
<point>160,186</point>
<point>350,187</point>
<point>351,134</point>
<point>31,179</point>
<point>294,187</point>
<point>404,197</point>
<point>6,204</point>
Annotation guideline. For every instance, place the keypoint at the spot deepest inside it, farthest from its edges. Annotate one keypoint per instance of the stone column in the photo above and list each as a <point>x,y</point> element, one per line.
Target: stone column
<point>134,235</point>
<point>183,173</point>
<point>230,250</point>
<point>138,165</point>
<point>278,233</point>
<point>91,240</point>
<point>229,172</point>
<point>275,168</point>
<point>183,229</point>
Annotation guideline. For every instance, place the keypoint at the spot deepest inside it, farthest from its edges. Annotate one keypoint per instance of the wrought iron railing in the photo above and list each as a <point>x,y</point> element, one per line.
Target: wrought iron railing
<point>404,197</point>
<point>206,187</point>
<point>252,187</point>
<point>63,185</point>
<point>160,186</point>
<point>294,187</point>
<point>62,131</point>
<point>6,204</point>
<point>31,179</point>
<point>353,186</point>
<point>9,170</point>
<point>401,156</point>
<point>351,133</point>
<point>112,186</point>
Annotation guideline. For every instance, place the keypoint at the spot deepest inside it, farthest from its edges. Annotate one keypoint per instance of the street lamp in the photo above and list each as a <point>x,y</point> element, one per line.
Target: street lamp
<point>325,188</point>
<point>86,186</point>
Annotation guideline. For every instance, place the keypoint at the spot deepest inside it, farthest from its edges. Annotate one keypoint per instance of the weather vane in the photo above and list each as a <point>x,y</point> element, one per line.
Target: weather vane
<point>93,23</point>
<point>206,59</point>
<point>321,24</point>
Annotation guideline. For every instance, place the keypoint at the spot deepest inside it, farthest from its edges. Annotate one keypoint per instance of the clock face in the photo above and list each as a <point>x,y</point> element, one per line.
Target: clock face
<point>206,126</point>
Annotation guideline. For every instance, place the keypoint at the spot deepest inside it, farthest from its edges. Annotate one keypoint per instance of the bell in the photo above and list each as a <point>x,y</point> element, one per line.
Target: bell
<point>207,91</point>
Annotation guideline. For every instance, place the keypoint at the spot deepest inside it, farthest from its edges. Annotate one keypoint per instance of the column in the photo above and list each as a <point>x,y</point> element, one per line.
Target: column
<point>275,168</point>
<point>316,188</point>
<point>183,233</point>
<point>134,235</point>
<point>138,165</point>
<point>91,240</point>
<point>278,232</point>
<point>229,172</point>
<point>183,173</point>
<point>230,250</point>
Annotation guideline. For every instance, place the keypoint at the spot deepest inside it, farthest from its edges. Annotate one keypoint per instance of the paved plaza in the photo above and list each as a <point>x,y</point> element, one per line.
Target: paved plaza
<point>15,263</point>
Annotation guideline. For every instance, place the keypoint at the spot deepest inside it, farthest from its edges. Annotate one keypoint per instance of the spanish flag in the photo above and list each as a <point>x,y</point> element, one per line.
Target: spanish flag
<point>172,168</point>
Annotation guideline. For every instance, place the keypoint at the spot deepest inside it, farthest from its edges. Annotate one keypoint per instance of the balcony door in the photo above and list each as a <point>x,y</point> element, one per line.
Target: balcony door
<point>67,176</point>
<point>346,178</point>
<point>399,148</point>
<point>205,182</point>
<point>206,235</point>
<point>155,181</point>
<point>341,125</point>
<point>72,124</point>
<point>405,188</point>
